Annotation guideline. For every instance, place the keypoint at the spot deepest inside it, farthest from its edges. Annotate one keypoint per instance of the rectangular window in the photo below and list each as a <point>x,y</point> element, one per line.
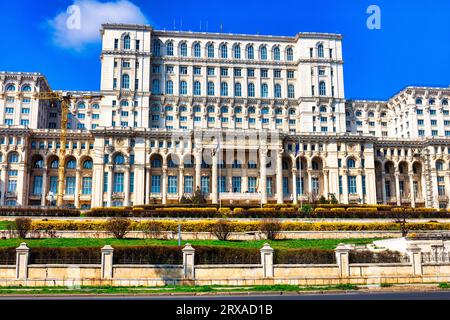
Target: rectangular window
<point>352,185</point>
<point>251,72</point>
<point>86,185</point>
<point>156,184</point>
<point>285,186</point>
<point>54,184</point>
<point>37,185</point>
<point>236,184</point>
<point>70,185</point>
<point>269,186</point>
<point>132,182</point>
<point>12,185</point>
<point>340,185</point>
<point>222,184</point>
<point>118,182</point>
<point>290,74</point>
<point>210,71</point>
<point>172,184</point>
<point>204,184</point>
<point>188,184</point>
<point>197,71</point>
<point>264,73</point>
<point>364,185</point>
<point>252,184</point>
<point>224,72</point>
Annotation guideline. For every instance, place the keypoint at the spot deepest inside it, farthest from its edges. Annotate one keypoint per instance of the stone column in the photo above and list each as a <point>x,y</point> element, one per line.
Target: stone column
<point>342,259</point>
<point>383,186</point>
<point>44,186</point>
<point>294,186</point>
<point>447,188</point>
<point>22,254</point>
<point>280,177</point>
<point>77,188</point>
<point>263,176</point>
<point>397,189</point>
<point>310,188</point>
<point>188,262</point>
<point>3,184</point>
<point>126,187</point>
<point>415,258</point>
<point>411,190</point>
<point>345,187</point>
<point>110,185</point>
<point>181,183</point>
<point>164,185</point>
<point>148,188</point>
<point>215,190</point>
<point>198,171</point>
<point>325,184</point>
<point>107,262</point>
<point>359,186</point>
<point>267,260</point>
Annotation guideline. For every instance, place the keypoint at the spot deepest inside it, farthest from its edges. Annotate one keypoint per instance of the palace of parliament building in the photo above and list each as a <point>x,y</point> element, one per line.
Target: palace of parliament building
<point>243,118</point>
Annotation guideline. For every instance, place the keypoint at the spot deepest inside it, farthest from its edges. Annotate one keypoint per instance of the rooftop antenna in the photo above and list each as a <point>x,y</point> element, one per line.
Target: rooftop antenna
<point>221,27</point>
<point>206,25</point>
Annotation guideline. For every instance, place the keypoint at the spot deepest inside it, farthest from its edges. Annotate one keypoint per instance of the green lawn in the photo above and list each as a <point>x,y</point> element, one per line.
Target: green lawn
<point>167,289</point>
<point>280,244</point>
<point>4,224</point>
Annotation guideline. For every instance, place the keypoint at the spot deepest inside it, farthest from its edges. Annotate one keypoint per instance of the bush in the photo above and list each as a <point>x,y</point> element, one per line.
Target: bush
<point>118,227</point>
<point>64,255</point>
<point>151,229</point>
<point>306,208</point>
<point>337,209</point>
<point>224,211</point>
<point>270,228</point>
<point>148,255</point>
<point>36,212</point>
<point>304,256</point>
<point>7,256</point>
<point>224,255</point>
<point>22,226</point>
<point>221,229</point>
<point>374,257</point>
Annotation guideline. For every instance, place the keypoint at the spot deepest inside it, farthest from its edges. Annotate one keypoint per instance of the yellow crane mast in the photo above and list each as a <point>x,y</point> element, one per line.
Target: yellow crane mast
<point>64,99</point>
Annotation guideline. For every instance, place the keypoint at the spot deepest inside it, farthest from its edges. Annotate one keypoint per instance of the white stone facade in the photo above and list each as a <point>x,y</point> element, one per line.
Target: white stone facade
<point>178,104</point>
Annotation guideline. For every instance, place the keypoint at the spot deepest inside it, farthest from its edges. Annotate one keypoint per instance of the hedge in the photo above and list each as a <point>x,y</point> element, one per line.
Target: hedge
<point>223,255</point>
<point>304,256</point>
<point>147,255</point>
<point>241,226</point>
<point>33,212</point>
<point>374,257</point>
<point>61,255</point>
<point>7,256</point>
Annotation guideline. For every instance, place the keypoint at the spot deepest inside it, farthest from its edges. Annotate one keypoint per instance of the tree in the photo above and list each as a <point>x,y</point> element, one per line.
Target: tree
<point>118,227</point>
<point>271,228</point>
<point>333,199</point>
<point>197,198</point>
<point>221,229</point>
<point>22,226</point>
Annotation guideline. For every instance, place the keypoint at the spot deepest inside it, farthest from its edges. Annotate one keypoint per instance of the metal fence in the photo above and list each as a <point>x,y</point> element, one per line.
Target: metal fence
<point>435,257</point>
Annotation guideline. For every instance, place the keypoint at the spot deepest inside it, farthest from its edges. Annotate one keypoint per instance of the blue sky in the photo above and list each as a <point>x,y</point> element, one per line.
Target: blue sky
<point>411,48</point>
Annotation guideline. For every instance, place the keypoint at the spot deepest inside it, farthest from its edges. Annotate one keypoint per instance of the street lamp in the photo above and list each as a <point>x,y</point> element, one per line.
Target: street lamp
<point>50,197</point>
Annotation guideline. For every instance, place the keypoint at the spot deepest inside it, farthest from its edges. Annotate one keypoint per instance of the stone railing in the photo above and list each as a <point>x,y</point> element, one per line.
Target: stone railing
<point>188,273</point>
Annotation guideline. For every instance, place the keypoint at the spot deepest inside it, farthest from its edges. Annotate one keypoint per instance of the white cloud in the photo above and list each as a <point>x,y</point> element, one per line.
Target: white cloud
<point>73,31</point>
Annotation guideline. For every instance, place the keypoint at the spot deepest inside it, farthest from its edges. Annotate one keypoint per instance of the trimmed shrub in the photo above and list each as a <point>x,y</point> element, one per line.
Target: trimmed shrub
<point>374,257</point>
<point>304,256</point>
<point>224,255</point>
<point>270,228</point>
<point>22,226</point>
<point>148,255</point>
<point>37,212</point>
<point>224,211</point>
<point>7,256</point>
<point>65,255</point>
<point>118,227</point>
<point>151,229</point>
<point>337,209</point>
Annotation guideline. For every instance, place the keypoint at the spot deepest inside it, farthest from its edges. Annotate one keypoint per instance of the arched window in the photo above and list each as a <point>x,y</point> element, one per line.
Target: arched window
<point>320,51</point>
<point>251,89</point>
<point>197,88</point>
<point>156,48</point>
<point>358,113</point>
<point>250,53</point>
<point>197,109</point>
<point>238,110</point>
<point>238,90</point>
<point>236,164</point>
<point>224,89</point>
<point>197,51</point>
<point>169,87</point>
<point>171,163</point>
<point>11,87</point>
<point>276,53</point>
<point>183,49</point>
<point>124,103</point>
<point>277,91</point>
<point>156,86</point>
<point>125,81</point>
<point>323,109</point>
<point>251,110</point>
<point>211,109</point>
<point>183,87</point>
<point>252,164</point>
<point>54,164</point>
<point>445,102</point>
<point>26,88</point>
<point>13,157</point>
<point>431,102</point>
<point>263,53</point>
<point>371,114</point>
<point>224,109</point>
<point>119,159</point>
<point>292,111</point>
<point>322,89</point>
<point>183,108</point>
<point>156,163</point>
<point>418,101</point>
<point>290,54</point>
<point>38,164</point>
<point>210,50</point>
<point>87,164</point>
<point>265,110</point>
<point>439,165</point>
<point>210,88</point>
<point>127,42</point>
<point>169,48</point>
<point>291,91</point>
<point>224,51</point>
<point>264,90</point>
<point>71,164</point>
<point>351,163</point>
<point>278,111</point>
<point>237,51</point>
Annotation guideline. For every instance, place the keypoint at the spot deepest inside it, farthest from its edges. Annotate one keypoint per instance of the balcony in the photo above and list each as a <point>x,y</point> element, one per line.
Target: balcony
<point>11,194</point>
<point>240,196</point>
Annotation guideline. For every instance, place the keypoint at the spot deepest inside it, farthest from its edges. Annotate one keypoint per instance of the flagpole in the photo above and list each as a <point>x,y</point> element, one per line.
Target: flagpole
<point>300,173</point>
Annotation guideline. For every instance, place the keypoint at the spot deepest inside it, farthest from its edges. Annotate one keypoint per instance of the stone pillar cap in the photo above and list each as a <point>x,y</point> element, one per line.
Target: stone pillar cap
<point>188,248</point>
<point>267,247</point>
<point>412,247</point>
<point>107,248</point>
<point>343,247</point>
<point>23,246</point>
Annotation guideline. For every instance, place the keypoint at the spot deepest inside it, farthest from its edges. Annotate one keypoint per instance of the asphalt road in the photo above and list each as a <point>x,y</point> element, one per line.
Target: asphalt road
<point>430,295</point>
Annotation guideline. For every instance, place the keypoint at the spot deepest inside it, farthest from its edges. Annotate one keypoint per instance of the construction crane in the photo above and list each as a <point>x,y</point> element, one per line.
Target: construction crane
<point>64,98</point>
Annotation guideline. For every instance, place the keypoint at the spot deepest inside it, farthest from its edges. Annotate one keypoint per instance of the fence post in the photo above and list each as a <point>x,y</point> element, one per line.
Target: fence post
<point>342,259</point>
<point>267,260</point>
<point>415,258</point>
<point>188,262</point>
<point>22,254</point>
<point>107,262</point>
